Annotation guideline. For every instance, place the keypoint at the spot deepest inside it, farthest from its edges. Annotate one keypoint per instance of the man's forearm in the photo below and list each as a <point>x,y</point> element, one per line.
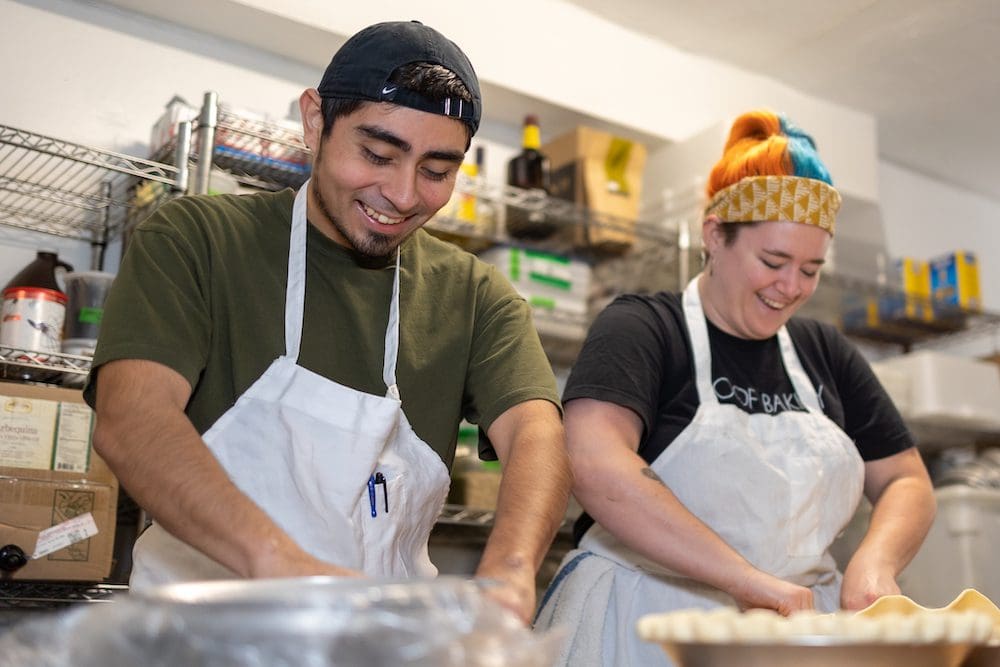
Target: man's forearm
<point>531,505</point>
<point>533,497</point>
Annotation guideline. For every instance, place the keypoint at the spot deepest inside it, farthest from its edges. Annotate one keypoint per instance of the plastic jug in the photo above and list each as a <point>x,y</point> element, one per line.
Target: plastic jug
<point>41,272</point>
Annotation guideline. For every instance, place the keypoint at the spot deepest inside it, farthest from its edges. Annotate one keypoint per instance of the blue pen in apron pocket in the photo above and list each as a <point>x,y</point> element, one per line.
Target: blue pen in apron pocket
<point>373,481</point>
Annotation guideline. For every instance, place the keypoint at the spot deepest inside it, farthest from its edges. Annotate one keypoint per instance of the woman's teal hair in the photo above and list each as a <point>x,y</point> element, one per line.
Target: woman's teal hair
<point>802,151</point>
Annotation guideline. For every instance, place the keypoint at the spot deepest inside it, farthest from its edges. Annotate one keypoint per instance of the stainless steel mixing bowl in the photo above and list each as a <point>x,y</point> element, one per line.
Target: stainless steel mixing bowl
<point>815,652</point>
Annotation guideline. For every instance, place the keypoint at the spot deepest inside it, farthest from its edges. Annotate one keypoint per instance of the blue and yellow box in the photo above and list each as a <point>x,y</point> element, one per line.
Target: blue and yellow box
<point>913,302</point>
<point>955,282</point>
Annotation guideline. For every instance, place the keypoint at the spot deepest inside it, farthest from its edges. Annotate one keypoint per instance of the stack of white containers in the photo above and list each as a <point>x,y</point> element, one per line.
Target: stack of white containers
<point>943,390</point>
<point>933,389</point>
<point>556,286</point>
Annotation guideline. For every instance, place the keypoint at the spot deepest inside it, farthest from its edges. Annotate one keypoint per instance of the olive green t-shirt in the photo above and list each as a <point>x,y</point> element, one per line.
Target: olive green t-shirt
<point>201,290</point>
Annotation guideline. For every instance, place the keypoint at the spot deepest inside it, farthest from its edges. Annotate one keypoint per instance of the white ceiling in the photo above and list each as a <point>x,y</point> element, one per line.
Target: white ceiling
<point>927,70</point>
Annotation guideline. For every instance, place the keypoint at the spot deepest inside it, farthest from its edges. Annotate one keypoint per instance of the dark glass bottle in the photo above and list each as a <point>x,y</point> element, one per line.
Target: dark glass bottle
<point>529,170</point>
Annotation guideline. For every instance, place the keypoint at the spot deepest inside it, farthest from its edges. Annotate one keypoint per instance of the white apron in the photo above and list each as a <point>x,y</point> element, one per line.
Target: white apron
<point>341,471</point>
<point>777,488</point>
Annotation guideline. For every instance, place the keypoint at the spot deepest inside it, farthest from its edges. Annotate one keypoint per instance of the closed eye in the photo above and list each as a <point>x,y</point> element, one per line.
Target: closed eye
<point>775,267</point>
<point>375,158</point>
<point>436,175</point>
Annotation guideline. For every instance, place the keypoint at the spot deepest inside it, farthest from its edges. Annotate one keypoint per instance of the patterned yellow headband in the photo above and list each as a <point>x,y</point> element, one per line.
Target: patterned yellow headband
<point>773,198</point>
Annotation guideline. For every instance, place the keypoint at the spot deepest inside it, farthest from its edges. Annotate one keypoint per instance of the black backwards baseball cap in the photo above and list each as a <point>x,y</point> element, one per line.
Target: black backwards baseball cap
<point>361,68</point>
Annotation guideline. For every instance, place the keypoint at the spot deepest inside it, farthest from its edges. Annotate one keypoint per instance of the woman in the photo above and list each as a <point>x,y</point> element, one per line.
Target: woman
<point>720,446</point>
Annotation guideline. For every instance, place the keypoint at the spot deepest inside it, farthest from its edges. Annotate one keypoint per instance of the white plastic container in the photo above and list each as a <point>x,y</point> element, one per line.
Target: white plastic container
<point>896,383</point>
<point>961,551</point>
<point>944,389</point>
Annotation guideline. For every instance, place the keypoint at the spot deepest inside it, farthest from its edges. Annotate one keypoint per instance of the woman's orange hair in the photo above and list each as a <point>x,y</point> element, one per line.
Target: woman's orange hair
<point>762,143</point>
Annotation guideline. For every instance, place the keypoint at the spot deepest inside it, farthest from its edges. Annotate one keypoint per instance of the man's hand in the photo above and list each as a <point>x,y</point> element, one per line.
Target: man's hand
<point>514,586</point>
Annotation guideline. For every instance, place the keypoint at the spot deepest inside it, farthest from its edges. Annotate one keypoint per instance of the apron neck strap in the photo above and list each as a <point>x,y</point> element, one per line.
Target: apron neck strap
<point>295,292</point>
<point>392,336</point>
<point>694,317</point>
<point>796,373</point>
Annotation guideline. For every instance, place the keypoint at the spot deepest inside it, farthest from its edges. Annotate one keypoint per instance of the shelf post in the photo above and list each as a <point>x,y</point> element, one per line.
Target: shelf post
<point>99,240</point>
<point>182,152</point>
<point>207,122</point>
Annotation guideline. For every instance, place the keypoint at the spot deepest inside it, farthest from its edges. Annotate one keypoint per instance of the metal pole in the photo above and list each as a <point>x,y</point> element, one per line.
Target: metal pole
<point>99,242</point>
<point>206,142</point>
<point>182,152</point>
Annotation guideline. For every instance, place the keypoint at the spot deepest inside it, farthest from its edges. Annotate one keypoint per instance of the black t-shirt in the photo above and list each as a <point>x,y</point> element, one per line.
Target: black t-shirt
<point>638,355</point>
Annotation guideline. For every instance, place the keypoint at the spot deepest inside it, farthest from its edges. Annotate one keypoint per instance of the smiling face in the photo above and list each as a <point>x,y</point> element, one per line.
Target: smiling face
<point>755,284</point>
<point>380,173</point>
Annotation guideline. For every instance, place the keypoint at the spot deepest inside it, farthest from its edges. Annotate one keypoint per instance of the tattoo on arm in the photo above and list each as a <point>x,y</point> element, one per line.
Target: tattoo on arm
<point>650,473</point>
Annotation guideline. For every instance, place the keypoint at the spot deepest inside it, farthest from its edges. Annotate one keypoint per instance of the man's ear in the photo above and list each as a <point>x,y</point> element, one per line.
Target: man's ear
<point>311,110</point>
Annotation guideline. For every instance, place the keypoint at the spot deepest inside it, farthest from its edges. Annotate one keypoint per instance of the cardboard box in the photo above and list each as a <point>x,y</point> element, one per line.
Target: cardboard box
<point>914,301</point>
<point>603,173</point>
<point>542,273</point>
<point>955,282</point>
<point>57,481</point>
<point>556,286</point>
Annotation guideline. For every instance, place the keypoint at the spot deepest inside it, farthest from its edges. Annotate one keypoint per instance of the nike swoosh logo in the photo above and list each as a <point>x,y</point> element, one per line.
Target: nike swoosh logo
<point>389,90</point>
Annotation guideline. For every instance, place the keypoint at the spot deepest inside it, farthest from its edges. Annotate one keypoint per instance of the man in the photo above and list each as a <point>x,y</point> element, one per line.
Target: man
<point>280,377</point>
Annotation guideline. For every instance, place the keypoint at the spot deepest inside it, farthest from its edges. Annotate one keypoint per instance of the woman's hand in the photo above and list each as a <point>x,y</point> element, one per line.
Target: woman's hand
<point>864,583</point>
<point>759,590</point>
